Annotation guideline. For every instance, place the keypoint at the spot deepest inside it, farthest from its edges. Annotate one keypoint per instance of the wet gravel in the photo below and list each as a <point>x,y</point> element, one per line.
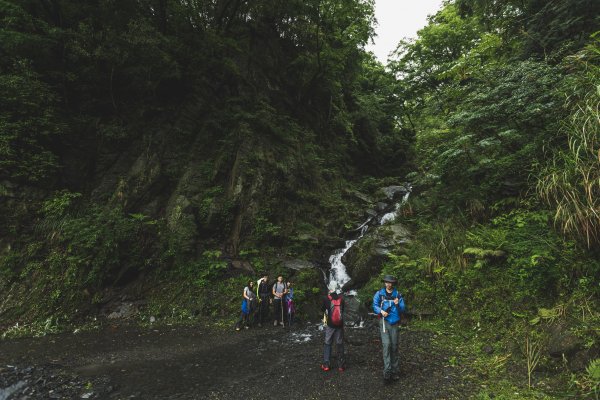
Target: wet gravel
<point>121,362</point>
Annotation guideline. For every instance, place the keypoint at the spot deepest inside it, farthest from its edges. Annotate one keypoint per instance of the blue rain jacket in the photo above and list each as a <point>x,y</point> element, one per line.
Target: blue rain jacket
<point>384,301</point>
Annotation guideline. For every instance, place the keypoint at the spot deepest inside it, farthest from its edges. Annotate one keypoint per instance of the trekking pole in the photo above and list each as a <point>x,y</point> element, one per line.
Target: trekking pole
<point>282,319</point>
<point>383,318</point>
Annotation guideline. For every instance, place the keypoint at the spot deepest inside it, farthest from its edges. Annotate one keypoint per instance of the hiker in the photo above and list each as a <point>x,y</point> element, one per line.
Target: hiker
<point>388,304</point>
<point>333,308</point>
<point>279,291</point>
<point>248,305</point>
<point>264,299</point>
<point>288,300</point>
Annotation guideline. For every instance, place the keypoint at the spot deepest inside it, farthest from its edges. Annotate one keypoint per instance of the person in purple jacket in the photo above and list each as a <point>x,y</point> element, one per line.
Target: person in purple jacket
<point>388,304</point>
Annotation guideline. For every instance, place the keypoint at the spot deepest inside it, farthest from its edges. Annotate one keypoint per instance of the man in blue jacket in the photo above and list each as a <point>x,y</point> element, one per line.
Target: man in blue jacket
<point>388,304</point>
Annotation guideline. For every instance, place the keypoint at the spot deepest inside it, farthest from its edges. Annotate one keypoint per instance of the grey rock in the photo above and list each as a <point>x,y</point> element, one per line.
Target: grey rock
<point>392,192</point>
<point>305,237</point>
<point>381,206</point>
<point>362,196</point>
<point>371,213</point>
<point>562,342</point>
<point>581,359</point>
<point>400,232</point>
<point>124,311</point>
<point>298,264</point>
<point>243,265</point>
<point>381,251</point>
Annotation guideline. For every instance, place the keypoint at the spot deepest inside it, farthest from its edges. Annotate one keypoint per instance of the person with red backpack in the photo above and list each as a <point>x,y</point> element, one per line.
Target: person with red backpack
<point>333,307</point>
<point>388,304</point>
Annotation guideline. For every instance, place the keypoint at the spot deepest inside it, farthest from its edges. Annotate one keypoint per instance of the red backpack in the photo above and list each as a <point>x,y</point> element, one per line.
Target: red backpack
<point>335,311</point>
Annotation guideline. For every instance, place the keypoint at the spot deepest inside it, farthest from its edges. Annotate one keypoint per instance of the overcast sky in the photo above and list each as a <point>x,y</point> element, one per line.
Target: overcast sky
<point>398,19</point>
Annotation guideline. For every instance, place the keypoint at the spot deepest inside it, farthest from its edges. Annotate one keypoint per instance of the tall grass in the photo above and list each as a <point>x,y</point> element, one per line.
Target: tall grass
<point>570,182</point>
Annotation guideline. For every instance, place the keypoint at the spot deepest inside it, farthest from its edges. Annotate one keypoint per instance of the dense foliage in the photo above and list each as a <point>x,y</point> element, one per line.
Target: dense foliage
<point>142,135</point>
<point>503,97</point>
<point>158,144</point>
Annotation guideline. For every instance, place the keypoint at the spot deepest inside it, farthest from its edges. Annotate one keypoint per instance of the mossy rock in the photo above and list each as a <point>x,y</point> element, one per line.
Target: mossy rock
<point>364,260</point>
<point>298,264</point>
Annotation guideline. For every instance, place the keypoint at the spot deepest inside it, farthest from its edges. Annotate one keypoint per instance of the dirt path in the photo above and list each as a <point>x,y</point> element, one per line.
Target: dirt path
<point>203,363</point>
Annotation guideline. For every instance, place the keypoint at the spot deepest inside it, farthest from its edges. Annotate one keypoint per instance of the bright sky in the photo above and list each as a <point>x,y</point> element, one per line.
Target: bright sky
<point>398,19</point>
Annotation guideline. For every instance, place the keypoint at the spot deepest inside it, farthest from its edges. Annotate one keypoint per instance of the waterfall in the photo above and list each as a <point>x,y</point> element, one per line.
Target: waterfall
<point>338,272</point>
<point>391,216</point>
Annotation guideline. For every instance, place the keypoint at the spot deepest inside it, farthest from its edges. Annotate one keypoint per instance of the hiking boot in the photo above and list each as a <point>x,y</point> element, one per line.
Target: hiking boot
<point>325,367</point>
<point>387,378</point>
<point>396,377</point>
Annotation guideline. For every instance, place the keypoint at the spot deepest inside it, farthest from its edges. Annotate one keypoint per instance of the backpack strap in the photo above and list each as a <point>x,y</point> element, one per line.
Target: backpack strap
<point>381,296</point>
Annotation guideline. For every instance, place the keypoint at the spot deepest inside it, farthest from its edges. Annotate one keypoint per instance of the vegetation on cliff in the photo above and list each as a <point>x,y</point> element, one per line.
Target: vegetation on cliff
<point>179,148</point>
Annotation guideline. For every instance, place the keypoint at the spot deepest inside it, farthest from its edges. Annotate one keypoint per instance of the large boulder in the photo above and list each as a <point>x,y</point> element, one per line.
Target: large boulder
<point>563,343</point>
<point>366,257</point>
<point>298,264</point>
<point>242,265</point>
<point>394,192</point>
<point>363,260</point>
<point>354,311</point>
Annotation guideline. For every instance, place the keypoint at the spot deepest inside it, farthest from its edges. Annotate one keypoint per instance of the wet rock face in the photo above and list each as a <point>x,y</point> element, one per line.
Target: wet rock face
<point>394,192</point>
<point>298,264</point>
<point>365,258</point>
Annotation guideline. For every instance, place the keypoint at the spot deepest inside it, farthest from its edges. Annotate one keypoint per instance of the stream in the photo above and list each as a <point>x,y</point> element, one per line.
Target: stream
<point>121,361</point>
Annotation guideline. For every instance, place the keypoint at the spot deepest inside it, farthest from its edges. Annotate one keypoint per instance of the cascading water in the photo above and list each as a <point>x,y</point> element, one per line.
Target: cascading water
<point>337,273</point>
<point>391,216</point>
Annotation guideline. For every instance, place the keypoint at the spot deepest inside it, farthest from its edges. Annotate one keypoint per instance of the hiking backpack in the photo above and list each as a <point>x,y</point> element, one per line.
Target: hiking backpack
<point>335,311</point>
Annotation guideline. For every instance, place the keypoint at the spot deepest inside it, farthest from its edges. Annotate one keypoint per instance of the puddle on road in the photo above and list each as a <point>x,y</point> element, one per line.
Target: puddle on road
<point>7,392</point>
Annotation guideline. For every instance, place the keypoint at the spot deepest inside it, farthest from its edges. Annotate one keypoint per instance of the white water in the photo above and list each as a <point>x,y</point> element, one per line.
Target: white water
<point>338,272</point>
<point>391,216</point>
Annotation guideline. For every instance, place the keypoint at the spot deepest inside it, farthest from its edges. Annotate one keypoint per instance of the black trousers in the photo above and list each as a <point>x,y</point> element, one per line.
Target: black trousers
<point>263,309</point>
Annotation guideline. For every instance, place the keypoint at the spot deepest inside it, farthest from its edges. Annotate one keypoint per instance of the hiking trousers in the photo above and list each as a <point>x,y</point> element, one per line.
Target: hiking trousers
<point>278,309</point>
<point>331,335</point>
<point>389,340</point>
<point>263,308</point>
